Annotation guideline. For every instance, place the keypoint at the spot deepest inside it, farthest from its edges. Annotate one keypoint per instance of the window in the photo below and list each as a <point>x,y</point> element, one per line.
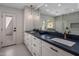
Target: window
<point>8,20</point>
<point>74,25</point>
<point>50,24</point>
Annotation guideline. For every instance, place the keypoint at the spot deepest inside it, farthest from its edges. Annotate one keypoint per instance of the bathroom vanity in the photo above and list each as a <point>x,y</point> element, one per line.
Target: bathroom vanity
<point>48,45</point>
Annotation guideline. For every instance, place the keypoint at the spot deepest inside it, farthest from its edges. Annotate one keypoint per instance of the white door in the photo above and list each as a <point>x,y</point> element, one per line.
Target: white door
<point>9,29</point>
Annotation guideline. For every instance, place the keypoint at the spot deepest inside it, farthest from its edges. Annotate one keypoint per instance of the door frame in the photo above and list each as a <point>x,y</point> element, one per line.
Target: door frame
<point>0,30</point>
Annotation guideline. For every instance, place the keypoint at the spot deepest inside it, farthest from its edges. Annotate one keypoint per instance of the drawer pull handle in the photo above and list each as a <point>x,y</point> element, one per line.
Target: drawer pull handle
<point>34,54</point>
<point>34,45</point>
<point>35,38</point>
<point>54,49</point>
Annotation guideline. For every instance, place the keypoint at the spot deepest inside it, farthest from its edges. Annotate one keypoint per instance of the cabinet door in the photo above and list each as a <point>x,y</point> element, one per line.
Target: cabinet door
<point>36,49</point>
<point>36,46</point>
<point>26,39</point>
<point>48,52</point>
<point>29,42</point>
<point>58,51</point>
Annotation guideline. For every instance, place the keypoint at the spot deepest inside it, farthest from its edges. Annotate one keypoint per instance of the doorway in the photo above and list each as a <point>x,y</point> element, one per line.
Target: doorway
<point>8,29</point>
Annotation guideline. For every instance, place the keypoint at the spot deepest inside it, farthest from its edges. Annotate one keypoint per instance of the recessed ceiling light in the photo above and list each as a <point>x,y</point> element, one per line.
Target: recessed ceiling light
<point>46,5</point>
<point>59,4</point>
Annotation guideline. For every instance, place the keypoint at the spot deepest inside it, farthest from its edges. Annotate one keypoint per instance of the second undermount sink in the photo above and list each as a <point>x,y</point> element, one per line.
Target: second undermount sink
<point>63,41</point>
<point>46,37</point>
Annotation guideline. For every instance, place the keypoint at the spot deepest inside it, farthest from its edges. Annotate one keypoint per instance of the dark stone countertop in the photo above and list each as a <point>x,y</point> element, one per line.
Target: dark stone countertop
<point>73,50</point>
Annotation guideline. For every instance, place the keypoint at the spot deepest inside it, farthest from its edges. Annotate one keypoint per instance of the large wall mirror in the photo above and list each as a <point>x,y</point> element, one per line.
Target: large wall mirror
<point>48,25</point>
<point>69,20</point>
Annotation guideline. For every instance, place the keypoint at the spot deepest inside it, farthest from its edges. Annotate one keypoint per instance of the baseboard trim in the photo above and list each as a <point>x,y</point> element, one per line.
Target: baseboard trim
<point>8,45</point>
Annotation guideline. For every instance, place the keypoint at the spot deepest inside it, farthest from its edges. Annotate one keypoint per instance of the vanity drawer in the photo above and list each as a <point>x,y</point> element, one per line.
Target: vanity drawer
<point>36,41</point>
<point>36,50</point>
<point>59,51</point>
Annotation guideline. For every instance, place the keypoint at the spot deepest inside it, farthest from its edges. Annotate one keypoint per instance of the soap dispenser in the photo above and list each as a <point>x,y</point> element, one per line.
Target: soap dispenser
<point>66,33</point>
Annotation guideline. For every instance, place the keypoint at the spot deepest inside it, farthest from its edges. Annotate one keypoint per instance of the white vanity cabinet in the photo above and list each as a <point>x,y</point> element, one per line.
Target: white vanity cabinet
<point>51,50</point>
<point>33,44</point>
<point>38,47</point>
<point>28,41</point>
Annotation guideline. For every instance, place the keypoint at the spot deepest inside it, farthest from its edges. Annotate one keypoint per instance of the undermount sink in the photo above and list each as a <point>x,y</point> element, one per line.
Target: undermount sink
<point>63,41</point>
<point>46,37</point>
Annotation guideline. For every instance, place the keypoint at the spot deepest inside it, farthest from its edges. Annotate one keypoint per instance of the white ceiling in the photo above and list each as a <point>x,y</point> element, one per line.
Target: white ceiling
<point>53,9</point>
<point>56,9</point>
<point>18,5</point>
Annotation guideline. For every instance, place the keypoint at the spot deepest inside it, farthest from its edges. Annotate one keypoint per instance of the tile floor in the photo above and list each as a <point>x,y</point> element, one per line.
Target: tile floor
<point>15,50</point>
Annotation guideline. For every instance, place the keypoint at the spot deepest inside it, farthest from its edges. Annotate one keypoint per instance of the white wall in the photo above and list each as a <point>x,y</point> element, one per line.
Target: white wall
<point>65,20</point>
<point>28,21</point>
<point>31,19</point>
<point>19,15</point>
